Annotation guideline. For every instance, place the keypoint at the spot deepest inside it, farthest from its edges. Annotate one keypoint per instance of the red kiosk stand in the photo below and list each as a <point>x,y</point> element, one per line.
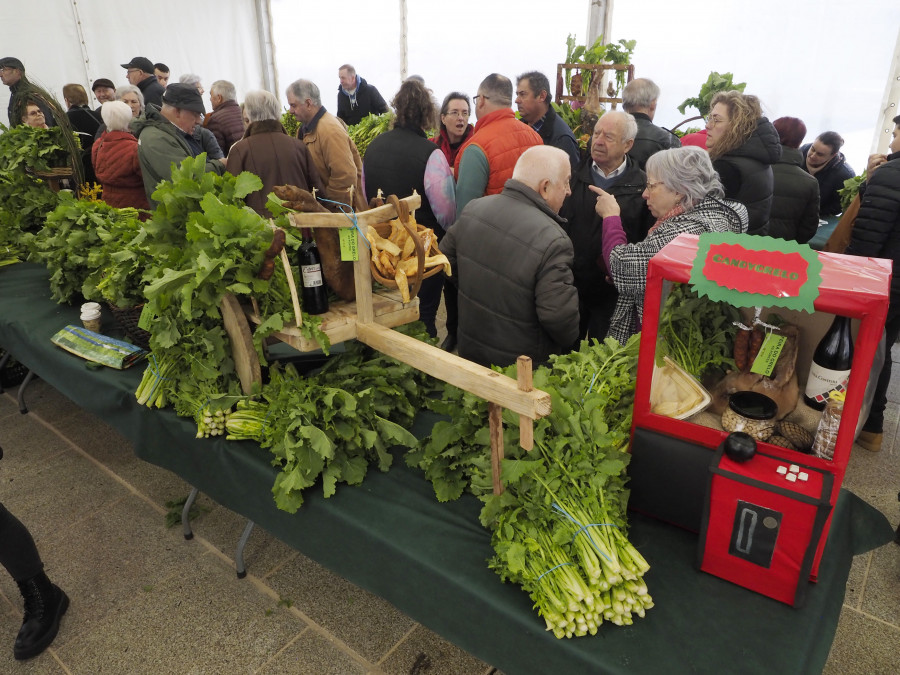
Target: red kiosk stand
<point>671,459</point>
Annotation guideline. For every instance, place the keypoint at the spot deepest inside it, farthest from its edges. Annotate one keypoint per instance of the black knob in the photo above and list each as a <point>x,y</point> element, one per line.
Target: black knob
<point>739,446</point>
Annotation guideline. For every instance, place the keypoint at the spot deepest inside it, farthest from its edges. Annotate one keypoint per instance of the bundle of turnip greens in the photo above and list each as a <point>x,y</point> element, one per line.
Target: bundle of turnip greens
<point>559,529</point>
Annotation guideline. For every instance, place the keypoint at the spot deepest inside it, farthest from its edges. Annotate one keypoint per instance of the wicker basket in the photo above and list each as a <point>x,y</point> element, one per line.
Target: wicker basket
<point>415,282</point>
<point>127,318</point>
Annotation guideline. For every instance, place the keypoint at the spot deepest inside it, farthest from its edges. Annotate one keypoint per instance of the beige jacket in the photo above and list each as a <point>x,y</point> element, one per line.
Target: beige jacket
<point>337,160</point>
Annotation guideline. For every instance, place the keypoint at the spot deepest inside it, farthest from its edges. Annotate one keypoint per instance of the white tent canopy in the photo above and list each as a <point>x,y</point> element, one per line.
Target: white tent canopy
<point>823,62</point>
<point>65,41</point>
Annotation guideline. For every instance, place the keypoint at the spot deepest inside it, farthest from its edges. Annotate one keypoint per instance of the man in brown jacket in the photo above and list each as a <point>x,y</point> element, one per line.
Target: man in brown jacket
<point>225,119</point>
<point>329,145</point>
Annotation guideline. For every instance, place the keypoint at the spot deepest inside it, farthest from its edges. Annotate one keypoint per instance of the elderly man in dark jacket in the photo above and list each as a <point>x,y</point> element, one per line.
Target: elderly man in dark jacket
<point>533,101</point>
<point>513,264</point>
<point>610,167</point>
<point>639,98</point>
<point>225,121</point>
<point>876,234</point>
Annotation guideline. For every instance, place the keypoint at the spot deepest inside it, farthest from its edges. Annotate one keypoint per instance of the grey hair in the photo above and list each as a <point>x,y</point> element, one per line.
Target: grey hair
<point>116,115</point>
<point>223,88</point>
<point>688,171</point>
<point>189,79</point>
<point>130,89</point>
<point>639,93</point>
<point>539,163</point>
<point>304,89</point>
<point>261,105</point>
<point>498,89</point>
<point>629,124</point>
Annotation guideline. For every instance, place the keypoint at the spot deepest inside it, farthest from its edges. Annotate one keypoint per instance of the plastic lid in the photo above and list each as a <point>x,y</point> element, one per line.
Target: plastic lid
<point>90,307</point>
<point>753,405</point>
<point>90,315</point>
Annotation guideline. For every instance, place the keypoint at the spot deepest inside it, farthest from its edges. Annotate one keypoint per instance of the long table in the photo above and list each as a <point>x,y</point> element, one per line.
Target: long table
<point>392,537</point>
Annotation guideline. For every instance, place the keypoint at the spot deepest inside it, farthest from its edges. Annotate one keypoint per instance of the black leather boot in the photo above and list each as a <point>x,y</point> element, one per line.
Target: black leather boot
<point>45,603</point>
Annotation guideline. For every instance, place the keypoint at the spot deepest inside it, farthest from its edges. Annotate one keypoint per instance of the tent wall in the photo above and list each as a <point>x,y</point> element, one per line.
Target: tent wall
<point>65,41</point>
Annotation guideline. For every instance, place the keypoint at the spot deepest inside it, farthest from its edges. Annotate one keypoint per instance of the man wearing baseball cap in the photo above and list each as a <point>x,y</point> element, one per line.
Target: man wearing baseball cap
<point>140,73</point>
<point>12,74</point>
<point>166,136</point>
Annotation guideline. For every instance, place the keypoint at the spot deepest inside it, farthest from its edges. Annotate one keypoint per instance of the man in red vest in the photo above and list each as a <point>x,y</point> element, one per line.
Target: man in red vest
<point>487,159</point>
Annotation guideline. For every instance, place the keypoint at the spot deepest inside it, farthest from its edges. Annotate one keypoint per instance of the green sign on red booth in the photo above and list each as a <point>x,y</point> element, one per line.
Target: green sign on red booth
<point>750,271</point>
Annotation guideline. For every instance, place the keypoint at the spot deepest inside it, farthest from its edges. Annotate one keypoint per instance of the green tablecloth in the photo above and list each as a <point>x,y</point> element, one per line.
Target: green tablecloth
<point>392,537</point>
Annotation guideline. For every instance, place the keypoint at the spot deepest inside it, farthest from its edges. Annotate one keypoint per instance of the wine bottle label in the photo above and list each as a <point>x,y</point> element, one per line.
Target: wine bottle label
<point>823,381</point>
<point>312,275</point>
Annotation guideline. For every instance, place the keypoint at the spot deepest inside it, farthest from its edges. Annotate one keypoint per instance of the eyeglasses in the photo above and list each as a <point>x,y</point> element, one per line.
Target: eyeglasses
<point>652,186</point>
<point>714,120</point>
<point>478,96</point>
<point>133,70</point>
<point>35,113</point>
<point>457,113</point>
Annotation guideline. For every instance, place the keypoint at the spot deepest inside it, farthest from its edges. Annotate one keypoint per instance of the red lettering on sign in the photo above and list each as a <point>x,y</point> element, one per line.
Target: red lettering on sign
<point>765,272</point>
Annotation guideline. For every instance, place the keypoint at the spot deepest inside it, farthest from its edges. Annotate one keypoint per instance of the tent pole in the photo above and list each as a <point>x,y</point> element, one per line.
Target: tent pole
<point>85,59</point>
<point>404,50</point>
<point>889,104</point>
<point>599,21</point>
<point>266,46</point>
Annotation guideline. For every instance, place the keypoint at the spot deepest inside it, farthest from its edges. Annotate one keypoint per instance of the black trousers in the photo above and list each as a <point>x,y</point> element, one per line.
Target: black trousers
<point>875,420</point>
<point>18,554</point>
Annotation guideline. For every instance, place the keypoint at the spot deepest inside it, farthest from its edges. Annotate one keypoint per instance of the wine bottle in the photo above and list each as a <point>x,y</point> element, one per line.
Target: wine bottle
<point>830,368</point>
<point>315,293</point>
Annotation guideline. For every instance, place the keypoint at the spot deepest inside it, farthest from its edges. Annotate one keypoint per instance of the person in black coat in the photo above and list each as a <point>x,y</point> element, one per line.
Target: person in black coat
<point>639,98</point>
<point>795,202</point>
<point>403,160</point>
<point>356,97</point>
<point>608,166</point>
<point>743,146</point>
<point>140,73</point>
<point>876,234</point>
<point>823,159</point>
<point>85,122</point>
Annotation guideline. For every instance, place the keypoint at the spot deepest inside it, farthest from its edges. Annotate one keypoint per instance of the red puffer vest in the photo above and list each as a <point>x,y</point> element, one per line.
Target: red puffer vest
<point>503,139</point>
<point>118,170</point>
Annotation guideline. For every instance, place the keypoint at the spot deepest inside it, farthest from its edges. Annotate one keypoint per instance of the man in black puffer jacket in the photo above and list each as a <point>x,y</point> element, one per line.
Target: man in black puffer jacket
<point>876,234</point>
<point>356,97</point>
<point>514,266</point>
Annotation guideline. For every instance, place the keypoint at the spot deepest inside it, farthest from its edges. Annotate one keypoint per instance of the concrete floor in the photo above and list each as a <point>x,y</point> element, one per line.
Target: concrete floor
<point>144,600</point>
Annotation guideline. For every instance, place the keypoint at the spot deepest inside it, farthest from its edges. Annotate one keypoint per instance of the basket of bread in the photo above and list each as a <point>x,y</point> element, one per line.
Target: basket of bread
<point>404,252</point>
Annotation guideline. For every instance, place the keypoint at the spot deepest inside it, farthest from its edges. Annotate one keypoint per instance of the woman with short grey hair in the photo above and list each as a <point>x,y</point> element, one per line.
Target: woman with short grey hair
<point>133,97</point>
<point>267,151</point>
<point>115,158</point>
<point>685,196</point>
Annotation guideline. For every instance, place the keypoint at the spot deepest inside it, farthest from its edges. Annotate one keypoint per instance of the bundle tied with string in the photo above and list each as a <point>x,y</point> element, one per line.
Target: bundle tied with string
<point>781,386</point>
<point>338,273</point>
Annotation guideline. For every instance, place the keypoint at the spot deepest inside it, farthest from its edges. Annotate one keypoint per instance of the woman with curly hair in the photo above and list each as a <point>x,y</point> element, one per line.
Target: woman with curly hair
<point>403,160</point>
<point>743,146</point>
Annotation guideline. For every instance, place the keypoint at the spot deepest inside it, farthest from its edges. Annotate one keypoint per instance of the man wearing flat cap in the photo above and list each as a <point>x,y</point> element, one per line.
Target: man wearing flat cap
<point>166,136</point>
<point>12,74</point>
<point>104,90</point>
<point>140,73</point>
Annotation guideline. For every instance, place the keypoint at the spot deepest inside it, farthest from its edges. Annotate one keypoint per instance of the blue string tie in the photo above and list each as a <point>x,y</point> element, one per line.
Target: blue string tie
<point>350,214</point>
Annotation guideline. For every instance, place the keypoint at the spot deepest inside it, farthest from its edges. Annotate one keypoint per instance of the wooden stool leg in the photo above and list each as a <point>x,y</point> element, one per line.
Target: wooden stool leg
<point>495,419</point>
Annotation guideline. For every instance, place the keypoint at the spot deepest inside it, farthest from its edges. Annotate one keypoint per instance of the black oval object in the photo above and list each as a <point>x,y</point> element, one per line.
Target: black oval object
<point>753,405</point>
<point>740,447</point>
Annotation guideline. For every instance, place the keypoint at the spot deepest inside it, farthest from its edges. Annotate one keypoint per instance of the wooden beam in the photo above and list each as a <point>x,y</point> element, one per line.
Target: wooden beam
<point>495,422</point>
<point>525,383</point>
<point>483,382</point>
<point>379,214</point>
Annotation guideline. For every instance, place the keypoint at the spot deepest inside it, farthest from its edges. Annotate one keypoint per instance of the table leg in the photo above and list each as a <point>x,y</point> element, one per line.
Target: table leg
<point>186,514</point>
<point>21,397</point>
<point>239,553</point>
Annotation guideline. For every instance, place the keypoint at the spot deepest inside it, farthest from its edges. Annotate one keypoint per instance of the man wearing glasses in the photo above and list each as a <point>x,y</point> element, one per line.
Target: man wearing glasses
<point>140,73</point>
<point>12,74</point>
<point>487,159</point>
